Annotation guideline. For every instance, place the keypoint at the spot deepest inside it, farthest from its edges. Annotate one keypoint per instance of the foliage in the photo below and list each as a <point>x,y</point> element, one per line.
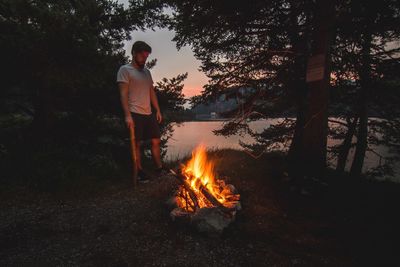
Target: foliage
<point>264,45</point>
<point>60,107</point>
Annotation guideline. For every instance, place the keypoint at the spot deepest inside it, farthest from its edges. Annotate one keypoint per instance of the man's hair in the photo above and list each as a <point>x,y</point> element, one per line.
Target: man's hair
<point>140,46</point>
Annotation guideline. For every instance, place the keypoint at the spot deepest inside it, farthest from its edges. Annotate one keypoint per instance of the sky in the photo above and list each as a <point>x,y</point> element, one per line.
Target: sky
<point>170,61</point>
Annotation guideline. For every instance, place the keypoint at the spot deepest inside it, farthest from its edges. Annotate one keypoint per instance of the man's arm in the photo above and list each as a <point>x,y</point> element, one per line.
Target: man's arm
<point>124,91</point>
<point>154,102</point>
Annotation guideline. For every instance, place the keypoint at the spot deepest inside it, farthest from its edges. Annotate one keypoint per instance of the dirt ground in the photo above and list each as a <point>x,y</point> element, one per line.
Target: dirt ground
<point>278,225</point>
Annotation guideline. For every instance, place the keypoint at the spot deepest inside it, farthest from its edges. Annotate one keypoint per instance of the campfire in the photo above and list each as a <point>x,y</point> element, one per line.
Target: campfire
<point>202,198</point>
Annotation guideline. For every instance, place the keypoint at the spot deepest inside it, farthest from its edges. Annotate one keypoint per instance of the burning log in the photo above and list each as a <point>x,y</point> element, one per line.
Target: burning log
<point>203,190</point>
<point>192,195</point>
<point>203,200</point>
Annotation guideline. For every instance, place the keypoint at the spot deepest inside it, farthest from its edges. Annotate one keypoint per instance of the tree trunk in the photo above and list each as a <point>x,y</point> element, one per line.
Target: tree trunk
<point>365,83</point>
<point>298,86</point>
<point>346,146</point>
<point>296,146</point>
<point>361,147</point>
<point>312,153</point>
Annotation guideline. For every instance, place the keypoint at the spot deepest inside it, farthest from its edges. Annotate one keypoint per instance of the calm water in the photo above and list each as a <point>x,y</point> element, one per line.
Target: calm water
<point>188,135</point>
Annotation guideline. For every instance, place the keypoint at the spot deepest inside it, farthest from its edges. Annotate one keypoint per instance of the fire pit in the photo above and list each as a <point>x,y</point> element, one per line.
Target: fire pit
<point>202,199</point>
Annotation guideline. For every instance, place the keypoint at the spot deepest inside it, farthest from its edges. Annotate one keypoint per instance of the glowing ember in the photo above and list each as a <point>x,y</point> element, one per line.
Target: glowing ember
<point>199,175</point>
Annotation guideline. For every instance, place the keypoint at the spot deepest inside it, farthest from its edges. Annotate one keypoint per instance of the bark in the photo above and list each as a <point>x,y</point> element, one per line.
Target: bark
<point>298,86</point>
<point>361,147</point>
<point>365,83</point>
<point>311,155</point>
<point>346,146</point>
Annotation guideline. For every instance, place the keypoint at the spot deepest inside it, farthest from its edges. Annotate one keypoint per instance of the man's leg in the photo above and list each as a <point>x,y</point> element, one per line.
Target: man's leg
<point>155,151</point>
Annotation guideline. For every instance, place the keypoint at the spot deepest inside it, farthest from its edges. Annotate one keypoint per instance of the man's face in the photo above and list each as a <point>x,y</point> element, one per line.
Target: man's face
<point>141,57</point>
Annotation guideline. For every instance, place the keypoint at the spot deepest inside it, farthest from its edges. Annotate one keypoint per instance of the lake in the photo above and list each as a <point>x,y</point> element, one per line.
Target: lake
<point>188,135</point>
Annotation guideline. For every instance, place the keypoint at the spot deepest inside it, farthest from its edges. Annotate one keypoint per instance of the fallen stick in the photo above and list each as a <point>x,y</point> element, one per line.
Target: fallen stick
<point>133,154</point>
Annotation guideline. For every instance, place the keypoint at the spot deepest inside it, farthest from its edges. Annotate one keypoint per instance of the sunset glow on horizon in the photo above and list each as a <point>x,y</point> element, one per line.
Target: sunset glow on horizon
<point>170,61</point>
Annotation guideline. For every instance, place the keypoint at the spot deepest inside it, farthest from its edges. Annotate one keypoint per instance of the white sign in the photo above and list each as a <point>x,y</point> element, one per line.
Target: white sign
<point>315,68</point>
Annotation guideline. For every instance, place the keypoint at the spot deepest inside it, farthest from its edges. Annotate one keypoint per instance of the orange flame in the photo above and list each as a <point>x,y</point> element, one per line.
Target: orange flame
<point>199,171</point>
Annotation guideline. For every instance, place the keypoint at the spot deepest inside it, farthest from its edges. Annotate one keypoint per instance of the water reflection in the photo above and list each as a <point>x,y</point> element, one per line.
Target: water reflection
<point>188,135</point>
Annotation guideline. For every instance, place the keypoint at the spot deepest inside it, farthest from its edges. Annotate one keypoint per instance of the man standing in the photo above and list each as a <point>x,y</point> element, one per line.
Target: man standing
<point>137,97</point>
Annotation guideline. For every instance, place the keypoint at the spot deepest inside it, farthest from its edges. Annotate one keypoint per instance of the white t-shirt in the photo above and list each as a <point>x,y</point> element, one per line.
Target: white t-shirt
<point>139,82</point>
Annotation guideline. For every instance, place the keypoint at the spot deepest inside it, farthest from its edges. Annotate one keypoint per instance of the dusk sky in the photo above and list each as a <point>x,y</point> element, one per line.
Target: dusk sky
<point>170,61</point>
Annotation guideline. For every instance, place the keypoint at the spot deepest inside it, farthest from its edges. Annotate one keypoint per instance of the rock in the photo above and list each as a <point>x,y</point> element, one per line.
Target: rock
<point>180,215</point>
<point>171,202</point>
<point>233,205</point>
<point>211,220</point>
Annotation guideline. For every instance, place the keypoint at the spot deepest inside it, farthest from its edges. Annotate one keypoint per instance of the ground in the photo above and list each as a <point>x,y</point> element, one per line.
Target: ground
<point>323,224</point>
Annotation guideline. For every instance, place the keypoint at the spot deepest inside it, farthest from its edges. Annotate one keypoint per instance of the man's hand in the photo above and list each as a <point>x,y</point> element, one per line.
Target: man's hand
<point>158,116</point>
<point>129,121</point>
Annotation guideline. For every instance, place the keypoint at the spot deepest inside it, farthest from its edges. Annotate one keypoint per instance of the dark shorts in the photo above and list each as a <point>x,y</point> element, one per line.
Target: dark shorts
<point>146,126</point>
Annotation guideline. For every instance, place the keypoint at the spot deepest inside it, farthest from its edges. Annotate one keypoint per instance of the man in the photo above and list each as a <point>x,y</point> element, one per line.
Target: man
<point>137,97</point>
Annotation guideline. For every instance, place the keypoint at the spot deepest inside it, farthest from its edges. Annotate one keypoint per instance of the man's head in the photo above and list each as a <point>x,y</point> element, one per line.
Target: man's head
<point>140,52</point>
